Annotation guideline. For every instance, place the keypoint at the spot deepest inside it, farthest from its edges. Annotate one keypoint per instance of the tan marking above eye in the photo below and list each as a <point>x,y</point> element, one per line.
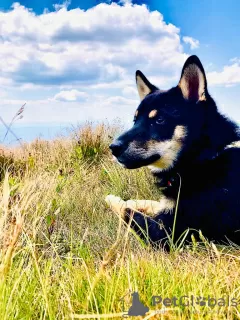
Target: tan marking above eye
<point>136,113</point>
<point>153,113</point>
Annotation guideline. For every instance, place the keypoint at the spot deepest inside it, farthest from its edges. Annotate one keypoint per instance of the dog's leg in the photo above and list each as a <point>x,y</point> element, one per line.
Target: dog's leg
<point>152,230</point>
<point>148,228</point>
<point>148,207</point>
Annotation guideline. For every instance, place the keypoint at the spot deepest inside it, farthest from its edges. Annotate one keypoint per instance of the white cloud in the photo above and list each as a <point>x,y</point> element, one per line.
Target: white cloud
<point>78,64</point>
<point>235,59</point>
<point>65,4</point>
<point>130,92</point>
<point>103,44</point>
<point>71,95</point>
<point>71,65</point>
<point>229,76</point>
<point>194,43</point>
<point>118,100</point>
<point>125,1</point>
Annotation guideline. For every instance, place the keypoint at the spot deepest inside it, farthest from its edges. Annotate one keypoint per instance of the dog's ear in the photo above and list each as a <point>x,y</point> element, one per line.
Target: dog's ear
<point>143,85</point>
<point>193,82</point>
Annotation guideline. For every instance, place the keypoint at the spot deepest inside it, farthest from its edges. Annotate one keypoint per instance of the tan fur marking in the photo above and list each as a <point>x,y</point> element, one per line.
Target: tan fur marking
<point>235,144</point>
<point>136,113</point>
<point>152,114</point>
<point>180,133</point>
<point>202,97</point>
<point>169,149</point>
<point>166,205</point>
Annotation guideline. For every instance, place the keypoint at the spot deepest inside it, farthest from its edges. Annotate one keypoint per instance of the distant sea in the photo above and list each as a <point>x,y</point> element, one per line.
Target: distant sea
<point>27,133</point>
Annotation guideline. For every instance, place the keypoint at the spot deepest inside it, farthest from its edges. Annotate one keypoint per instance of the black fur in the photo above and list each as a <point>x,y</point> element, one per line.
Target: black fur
<point>208,171</point>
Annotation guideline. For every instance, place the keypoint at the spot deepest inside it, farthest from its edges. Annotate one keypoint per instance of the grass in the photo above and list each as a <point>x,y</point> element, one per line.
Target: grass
<point>65,255</point>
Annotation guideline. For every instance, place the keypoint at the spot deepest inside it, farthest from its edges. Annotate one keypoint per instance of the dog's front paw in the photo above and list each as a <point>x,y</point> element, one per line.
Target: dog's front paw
<point>112,198</point>
<point>116,204</point>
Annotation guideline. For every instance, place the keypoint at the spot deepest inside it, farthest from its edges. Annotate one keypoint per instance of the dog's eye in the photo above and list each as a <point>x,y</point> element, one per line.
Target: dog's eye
<point>160,121</point>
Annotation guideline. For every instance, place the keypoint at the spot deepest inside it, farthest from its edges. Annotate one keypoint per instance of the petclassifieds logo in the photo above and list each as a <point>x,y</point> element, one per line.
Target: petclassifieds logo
<point>165,304</point>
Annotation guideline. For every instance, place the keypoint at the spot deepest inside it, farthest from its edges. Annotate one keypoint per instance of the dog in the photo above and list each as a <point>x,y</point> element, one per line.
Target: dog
<point>193,151</point>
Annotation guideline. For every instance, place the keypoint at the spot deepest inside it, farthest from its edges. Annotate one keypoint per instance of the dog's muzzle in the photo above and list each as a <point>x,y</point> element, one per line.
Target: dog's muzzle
<point>116,148</point>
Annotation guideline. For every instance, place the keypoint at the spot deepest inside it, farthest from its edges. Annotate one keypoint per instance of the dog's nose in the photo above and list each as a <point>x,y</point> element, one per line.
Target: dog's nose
<point>116,148</point>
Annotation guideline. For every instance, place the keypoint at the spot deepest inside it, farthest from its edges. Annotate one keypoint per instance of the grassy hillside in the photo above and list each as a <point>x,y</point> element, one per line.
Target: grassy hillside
<point>66,255</point>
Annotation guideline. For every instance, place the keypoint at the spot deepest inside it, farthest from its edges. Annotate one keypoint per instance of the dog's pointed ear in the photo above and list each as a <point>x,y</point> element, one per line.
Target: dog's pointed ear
<point>193,82</point>
<point>143,85</point>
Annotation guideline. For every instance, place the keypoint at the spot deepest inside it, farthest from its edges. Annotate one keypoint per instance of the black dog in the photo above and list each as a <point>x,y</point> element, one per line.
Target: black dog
<point>192,149</point>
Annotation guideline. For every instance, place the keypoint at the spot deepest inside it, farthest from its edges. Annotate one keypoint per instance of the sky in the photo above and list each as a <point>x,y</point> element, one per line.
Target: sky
<point>74,61</point>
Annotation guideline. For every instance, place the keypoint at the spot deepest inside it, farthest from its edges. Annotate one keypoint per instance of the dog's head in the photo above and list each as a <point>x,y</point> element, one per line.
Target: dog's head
<point>164,119</point>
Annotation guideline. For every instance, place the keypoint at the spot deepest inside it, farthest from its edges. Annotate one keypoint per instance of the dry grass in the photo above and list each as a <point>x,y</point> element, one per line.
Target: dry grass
<point>65,255</point>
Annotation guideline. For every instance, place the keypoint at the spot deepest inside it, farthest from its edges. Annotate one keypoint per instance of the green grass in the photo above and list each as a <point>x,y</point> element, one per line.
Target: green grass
<point>66,255</point>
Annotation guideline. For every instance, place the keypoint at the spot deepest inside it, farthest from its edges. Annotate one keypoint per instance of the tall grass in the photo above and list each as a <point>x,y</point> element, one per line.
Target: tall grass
<point>65,255</point>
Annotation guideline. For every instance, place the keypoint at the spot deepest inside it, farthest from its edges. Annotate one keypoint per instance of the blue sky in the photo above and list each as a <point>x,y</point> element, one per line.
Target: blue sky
<point>74,61</point>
